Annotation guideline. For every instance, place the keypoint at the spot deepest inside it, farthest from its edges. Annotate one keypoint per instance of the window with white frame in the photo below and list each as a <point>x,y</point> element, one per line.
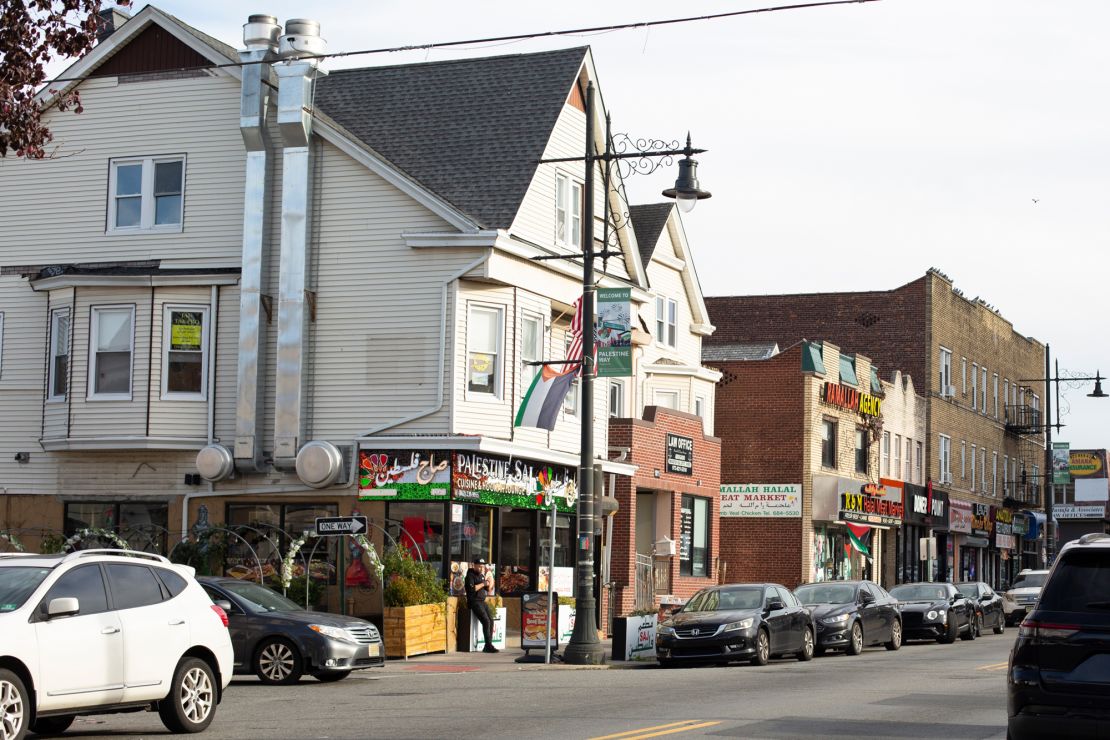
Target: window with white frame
<point>995,395</point>
<point>963,460</point>
<point>616,398</point>
<point>185,353</point>
<point>667,399</point>
<point>483,351</point>
<point>111,349</point>
<point>568,211</point>
<point>994,473</point>
<point>1005,475</point>
<point>983,385</point>
<point>531,349</point>
<point>920,463</point>
<point>699,411</point>
<point>146,194</point>
<point>945,370</point>
<point>897,454</point>
<point>570,401</point>
<point>58,372</point>
<point>909,461</point>
<point>983,470</point>
<point>974,385</point>
<point>886,453</point>
<point>945,458</point>
<point>974,457</point>
<point>666,321</point>
<point>963,375</point>
<point>1005,396</point>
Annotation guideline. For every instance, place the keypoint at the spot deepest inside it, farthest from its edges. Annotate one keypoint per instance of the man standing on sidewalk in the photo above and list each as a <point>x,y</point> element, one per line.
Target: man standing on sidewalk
<point>476,592</point>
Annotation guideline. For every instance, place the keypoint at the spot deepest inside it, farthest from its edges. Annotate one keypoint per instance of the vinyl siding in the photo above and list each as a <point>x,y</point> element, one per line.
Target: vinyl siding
<point>21,384</point>
<point>175,418</point>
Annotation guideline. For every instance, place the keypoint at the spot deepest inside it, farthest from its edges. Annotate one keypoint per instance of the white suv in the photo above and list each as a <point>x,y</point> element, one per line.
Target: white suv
<point>1022,595</point>
<point>100,631</point>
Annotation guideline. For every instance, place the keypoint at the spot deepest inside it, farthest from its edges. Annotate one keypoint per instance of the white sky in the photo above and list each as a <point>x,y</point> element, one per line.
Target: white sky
<point>851,147</point>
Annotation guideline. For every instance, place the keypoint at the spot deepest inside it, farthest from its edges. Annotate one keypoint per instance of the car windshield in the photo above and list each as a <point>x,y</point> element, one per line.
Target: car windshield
<point>826,593</point>
<point>1080,583</point>
<point>17,583</point>
<point>723,599</point>
<point>1030,580</point>
<point>260,598</point>
<point>967,589</point>
<point>920,592</point>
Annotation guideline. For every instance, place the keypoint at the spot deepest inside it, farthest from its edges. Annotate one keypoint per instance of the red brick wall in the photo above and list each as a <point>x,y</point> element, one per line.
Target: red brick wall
<point>887,326</point>
<point>647,439</point>
<point>760,418</point>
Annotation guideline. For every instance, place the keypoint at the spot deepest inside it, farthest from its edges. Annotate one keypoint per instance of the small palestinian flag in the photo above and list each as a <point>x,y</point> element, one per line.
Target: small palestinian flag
<point>859,535</point>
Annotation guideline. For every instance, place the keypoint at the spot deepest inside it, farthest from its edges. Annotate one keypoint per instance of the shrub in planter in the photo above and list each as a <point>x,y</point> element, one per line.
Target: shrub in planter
<point>415,600</point>
<point>317,591</point>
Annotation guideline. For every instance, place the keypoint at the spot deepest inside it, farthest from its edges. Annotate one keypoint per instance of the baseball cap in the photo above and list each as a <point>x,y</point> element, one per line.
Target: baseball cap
<point>478,561</point>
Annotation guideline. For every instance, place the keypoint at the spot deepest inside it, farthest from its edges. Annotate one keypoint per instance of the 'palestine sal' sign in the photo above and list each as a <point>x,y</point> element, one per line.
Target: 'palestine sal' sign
<point>848,397</point>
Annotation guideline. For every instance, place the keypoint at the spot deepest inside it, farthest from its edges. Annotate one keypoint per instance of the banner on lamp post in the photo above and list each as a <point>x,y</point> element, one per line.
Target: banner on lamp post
<point>1061,462</point>
<point>613,332</point>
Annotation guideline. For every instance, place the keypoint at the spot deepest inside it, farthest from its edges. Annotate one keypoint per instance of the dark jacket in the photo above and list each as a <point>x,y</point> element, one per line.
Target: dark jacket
<point>476,590</point>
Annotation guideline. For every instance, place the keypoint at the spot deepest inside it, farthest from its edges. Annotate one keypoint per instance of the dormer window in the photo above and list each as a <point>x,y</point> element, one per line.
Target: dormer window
<point>146,194</point>
<point>568,211</point>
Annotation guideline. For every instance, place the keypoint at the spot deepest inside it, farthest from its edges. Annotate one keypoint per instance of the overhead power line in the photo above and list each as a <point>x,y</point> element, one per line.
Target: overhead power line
<point>510,38</point>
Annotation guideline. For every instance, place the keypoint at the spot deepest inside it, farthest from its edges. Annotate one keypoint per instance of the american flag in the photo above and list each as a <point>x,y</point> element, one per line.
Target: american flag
<point>574,351</point>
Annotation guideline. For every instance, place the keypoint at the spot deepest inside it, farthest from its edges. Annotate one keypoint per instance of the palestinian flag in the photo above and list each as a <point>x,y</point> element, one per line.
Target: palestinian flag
<point>544,399</point>
<point>860,534</point>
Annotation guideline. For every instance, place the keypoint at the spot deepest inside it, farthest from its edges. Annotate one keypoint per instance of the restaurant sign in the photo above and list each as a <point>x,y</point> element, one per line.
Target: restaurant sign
<point>1003,522</point>
<point>503,481</point>
<point>959,516</point>
<point>404,475</point>
<point>761,500</point>
<point>982,523</point>
<point>870,506</point>
<point>680,454</point>
<point>852,399</point>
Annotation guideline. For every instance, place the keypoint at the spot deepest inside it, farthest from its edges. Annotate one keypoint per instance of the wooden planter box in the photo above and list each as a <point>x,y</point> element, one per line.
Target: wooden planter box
<point>414,630</point>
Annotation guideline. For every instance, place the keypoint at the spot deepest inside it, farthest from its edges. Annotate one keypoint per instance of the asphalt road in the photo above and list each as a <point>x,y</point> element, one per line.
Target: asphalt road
<point>924,690</point>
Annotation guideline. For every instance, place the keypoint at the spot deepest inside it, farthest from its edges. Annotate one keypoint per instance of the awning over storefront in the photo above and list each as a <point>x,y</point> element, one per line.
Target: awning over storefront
<point>1037,520</point>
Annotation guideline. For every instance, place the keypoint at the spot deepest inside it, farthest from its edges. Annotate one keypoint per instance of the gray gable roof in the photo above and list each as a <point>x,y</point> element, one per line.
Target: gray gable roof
<point>648,221</point>
<point>469,130</point>
<point>739,351</point>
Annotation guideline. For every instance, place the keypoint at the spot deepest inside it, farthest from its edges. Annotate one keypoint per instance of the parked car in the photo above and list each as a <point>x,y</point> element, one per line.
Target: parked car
<point>934,611</point>
<point>1059,673</point>
<point>103,631</point>
<point>278,641</point>
<point>989,613</point>
<point>1022,595</point>
<point>721,624</point>
<point>851,615</point>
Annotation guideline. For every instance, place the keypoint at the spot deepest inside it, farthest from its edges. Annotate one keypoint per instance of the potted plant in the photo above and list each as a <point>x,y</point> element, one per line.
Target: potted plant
<point>415,614</point>
<point>634,634</point>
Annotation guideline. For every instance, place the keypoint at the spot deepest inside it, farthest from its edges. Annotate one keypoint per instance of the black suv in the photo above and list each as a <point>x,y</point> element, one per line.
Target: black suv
<point>1059,674</point>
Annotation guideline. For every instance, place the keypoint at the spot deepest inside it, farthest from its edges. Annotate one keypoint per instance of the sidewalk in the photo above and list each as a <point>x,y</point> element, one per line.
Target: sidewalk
<point>504,661</point>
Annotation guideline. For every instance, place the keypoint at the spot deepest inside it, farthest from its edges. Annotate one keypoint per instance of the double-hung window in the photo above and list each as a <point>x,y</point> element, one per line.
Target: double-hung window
<point>616,398</point>
<point>945,458</point>
<point>828,443</point>
<point>945,371</point>
<point>146,194</point>
<point>909,461</point>
<point>185,353</point>
<point>568,211</point>
<point>861,450</point>
<point>1005,396</point>
<point>983,395</point>
<point>694,537</point>
<point>666,321</point>
<point>995,395</point>
<point>897,455</point>
<point>886,453</point>
<point>974,385</point>
<point>58,379</point>
<point>963,375</point>
<point>570,401</point>
<point>531,349</point>
<point>994,473</point>
<point>963,460</point>
<point>974,456</point>
<point>483,351</point>
<point>920,463</point>
<point>111,348</point>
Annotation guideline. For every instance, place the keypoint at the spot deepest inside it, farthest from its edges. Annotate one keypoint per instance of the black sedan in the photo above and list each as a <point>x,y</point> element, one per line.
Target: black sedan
<point>279,641</point>
<point>988,606</point>
<point>934,611</point>
<point>852,614</point>
<point>736,622</point>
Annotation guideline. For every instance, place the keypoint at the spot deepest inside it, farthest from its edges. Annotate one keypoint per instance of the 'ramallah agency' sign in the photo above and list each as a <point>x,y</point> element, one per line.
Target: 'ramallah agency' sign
<point>848,397</point>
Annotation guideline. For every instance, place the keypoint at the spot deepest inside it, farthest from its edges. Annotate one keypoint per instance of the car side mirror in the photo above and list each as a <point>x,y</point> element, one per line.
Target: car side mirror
<point>775,605</point>
<point>866,598</point>
<point>66,606</point>
<point>225,605</point>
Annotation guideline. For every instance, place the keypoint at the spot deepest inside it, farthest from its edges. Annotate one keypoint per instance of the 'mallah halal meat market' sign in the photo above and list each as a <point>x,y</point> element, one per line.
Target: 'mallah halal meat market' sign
<point>761,500</point>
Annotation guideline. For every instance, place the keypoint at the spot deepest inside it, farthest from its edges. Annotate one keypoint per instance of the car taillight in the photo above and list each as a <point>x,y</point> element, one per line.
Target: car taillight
<point>1046,630</point>
<point>220,613</point>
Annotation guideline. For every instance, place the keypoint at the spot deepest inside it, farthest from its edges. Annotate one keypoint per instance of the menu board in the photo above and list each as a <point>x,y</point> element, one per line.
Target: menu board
<point>533,615</point>
<point>686,530</point>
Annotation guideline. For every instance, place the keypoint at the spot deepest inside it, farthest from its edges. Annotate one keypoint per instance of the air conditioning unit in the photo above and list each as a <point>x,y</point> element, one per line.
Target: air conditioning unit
<point>951,391</point>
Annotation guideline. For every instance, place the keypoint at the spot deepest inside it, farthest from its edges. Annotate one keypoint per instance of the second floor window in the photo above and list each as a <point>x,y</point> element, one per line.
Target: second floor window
<point>616,398</point>
<point>920,464</point>
<point>666,321</point>
<point>146,194</point>
<point>483,351</point>
<point>568,211</point>
<point>945,458</point>
<point>111,346</point>
<point>861,451</point>
<point>828,443</point>
<point>59,355</point>
<point>531,349</point>
<point>886,453</point>
<point>185,353</point>
<point>667,399</point>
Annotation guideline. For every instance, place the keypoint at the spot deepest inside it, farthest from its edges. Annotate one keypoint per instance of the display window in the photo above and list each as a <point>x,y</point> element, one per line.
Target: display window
<point>143,526</point>
<point>263,532</point>
<point>418,527</point>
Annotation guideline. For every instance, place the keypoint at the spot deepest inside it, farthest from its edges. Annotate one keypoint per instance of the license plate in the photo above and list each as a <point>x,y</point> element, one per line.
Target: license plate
<point>373,650</point>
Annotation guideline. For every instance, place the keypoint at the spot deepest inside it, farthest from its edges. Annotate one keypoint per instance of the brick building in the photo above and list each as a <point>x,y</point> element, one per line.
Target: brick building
<point>983,444</point>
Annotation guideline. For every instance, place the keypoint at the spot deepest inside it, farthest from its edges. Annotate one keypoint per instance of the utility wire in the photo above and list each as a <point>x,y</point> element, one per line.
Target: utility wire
<point>504,39</point>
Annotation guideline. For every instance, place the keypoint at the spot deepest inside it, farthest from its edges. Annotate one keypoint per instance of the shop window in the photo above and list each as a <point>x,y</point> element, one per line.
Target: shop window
<point>694,537</point>
<point>146,194</point>
<point>267,531</point>
<point>59,355</point>
<point>531,349</point>
<point>143,526</point>
<point>616,398</point>
<point>886,454</point>
<point>111,347</point>
<point>828,443</point>
<point>471,536</point>
<point>419,527</point>
<point>185,353</point>
<point>568,211</point>
<point>861,450</point>
<point>483,358</point>
<point>514,558</point>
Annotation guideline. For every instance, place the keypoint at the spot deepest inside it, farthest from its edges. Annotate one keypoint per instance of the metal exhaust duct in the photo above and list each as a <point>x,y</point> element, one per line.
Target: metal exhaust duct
<point>260,39</point>
<point>296,79</point>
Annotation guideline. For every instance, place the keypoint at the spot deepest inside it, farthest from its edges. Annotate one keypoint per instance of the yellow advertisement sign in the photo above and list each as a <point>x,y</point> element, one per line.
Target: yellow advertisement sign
<point>1085,464</point>
<point>185,336</point>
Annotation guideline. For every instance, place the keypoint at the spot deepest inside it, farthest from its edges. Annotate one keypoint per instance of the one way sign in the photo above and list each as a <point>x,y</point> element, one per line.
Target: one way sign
<point>340,525</point>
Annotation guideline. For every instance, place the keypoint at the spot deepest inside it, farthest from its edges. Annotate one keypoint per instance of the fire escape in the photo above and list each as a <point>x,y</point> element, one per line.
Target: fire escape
<point>1025,422</point>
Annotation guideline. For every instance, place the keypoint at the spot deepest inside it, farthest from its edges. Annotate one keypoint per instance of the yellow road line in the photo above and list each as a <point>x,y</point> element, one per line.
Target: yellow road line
<point>628,734</point>
<point>671,732</point>
<point>994,667</point>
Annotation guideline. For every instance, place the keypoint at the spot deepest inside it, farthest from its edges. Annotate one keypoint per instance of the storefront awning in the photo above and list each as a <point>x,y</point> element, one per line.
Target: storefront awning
<point>1037,520</point>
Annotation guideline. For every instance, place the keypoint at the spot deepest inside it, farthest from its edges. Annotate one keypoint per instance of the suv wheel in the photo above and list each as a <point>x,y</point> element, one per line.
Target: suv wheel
<point>14,706</point>
<point>277,662</point>
<point>52,725</point>
<point>191,704</point>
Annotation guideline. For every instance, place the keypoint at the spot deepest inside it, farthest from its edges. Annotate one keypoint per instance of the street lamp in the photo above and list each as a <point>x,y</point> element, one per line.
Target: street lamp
<point>584,647</point>
<point>1049,488</point>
